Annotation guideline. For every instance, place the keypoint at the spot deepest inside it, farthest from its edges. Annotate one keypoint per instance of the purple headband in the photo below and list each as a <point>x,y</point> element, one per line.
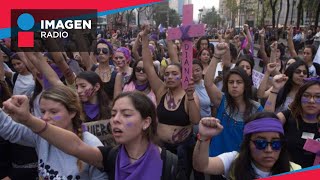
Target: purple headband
<point>103,41</point>
<point>126,53</point>
<point>263,125</point>
<point>311,79</point>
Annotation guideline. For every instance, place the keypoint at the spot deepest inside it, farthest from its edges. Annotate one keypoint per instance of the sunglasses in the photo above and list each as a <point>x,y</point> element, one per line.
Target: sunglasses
<point>261,144</point>
<point>104,50</point>
<point>139,69</point>
<point>298,71</point>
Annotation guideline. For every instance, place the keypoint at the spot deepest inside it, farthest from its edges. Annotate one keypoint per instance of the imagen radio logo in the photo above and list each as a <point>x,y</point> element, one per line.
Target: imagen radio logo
<point>32,28</point>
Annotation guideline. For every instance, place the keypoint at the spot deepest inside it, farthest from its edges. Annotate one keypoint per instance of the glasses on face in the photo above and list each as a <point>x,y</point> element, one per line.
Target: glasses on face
<point>139,69</point>
<point>299,71</point>
<point>261,144</point>
<point>104,50</point>
<point>308,96</point>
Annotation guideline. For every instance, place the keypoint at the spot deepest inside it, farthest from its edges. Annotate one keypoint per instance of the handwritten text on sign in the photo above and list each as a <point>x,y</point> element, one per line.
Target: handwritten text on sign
<point>100,129</point>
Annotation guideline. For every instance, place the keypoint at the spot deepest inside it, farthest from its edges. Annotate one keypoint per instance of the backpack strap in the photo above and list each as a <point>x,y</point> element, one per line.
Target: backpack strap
<point>317,67</point>
<point>112,157</point>
<point>14,78</point>
<point>170,163</point>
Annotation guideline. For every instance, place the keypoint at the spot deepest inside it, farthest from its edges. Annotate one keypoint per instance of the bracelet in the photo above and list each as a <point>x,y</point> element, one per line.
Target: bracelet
<point>191,99</point>
<point>43,129</point>
<point>273,92</point>
<point>201,140</point>
<point>216,57</point>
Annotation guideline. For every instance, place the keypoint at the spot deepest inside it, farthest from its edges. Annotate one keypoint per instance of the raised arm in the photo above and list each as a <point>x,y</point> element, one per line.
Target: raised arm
<point>277,83</point>
<point>263,53</point>
<point>39,61</point>
<point>193,104</point>
<point>248,33</point>
<point>262,90</point>
<point>135,47</point>
<point>292,51</point>
<point>118,84</point>
<point>172,52</point>
<point>86,59</point>
<point>6,93</point>
<point>214,93</point>
<point>208,128</point>
<point>65,140</point>
<point>155,82</point>
<point>59,60</point>
<point>29,65</point>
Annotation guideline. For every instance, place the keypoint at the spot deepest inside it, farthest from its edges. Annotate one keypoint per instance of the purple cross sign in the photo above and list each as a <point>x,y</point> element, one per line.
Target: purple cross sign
<point>185,33</point>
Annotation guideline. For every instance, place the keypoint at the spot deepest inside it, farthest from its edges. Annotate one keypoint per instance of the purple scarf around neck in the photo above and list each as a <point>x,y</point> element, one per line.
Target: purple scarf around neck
<point>149,166</point>
<point>91,110</point>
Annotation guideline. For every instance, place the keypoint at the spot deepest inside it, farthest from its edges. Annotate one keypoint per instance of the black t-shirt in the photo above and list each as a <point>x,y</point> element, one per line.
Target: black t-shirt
<point>5,163</point>
<point>296,142</point>
<point>109,162</point>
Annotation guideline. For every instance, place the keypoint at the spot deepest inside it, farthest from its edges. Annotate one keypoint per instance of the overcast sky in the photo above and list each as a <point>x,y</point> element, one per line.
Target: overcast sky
<point>198,4</point>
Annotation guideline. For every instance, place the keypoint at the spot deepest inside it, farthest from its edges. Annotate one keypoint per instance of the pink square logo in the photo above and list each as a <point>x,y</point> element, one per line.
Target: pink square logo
<point>25,39</point>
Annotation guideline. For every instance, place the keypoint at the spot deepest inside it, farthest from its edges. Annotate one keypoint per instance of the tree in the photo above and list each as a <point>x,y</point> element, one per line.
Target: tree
<point>317,15</point>
<point>129,16</point>
<point>279,12</point>
<point>233,9</point>
<point>212,18</point>
<point>139,10</point>
<point>287,14</point>
<point>273,5</point>
<point>165,16</point>
<point>174,18</point>
<point>300,13</point>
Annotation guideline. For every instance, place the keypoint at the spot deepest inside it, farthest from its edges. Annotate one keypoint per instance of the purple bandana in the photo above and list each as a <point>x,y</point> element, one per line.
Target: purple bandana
<point>305,80</point>
<point>185,36</point>
<point>92,110</point>
<point>141,87</point>
<point>263,125</point>
<point>147,167</point>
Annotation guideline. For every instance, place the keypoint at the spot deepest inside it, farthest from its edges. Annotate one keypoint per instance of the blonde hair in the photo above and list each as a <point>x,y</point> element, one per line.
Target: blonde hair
<point>71,102</point>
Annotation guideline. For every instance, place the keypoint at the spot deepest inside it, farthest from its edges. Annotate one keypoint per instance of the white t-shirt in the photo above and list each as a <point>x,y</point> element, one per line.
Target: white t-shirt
<point>218,71</point>
<point>219,68</point>
<point>24,85</point>
<point>228,158</point>
<point>312,71</point>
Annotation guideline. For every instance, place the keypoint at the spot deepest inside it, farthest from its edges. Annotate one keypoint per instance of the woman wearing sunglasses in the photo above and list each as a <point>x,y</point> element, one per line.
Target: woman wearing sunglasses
<point>285,87</point>
<point>302,121</point>
<point>263,151</point>
<point>138,82</point>
<point>106,71</point>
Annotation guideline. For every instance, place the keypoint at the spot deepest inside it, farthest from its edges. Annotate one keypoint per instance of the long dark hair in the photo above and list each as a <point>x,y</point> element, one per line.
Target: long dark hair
<point>283,93</point>
<point>247,94</point>
<point>103,100</point>
<point>242,168</point>
<point>249,60</point>
<point>199,42</point>
<point>295,106</point>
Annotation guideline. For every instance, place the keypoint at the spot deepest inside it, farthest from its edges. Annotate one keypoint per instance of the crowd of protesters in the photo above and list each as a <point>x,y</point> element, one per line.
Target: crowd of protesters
<point>220,125</point>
